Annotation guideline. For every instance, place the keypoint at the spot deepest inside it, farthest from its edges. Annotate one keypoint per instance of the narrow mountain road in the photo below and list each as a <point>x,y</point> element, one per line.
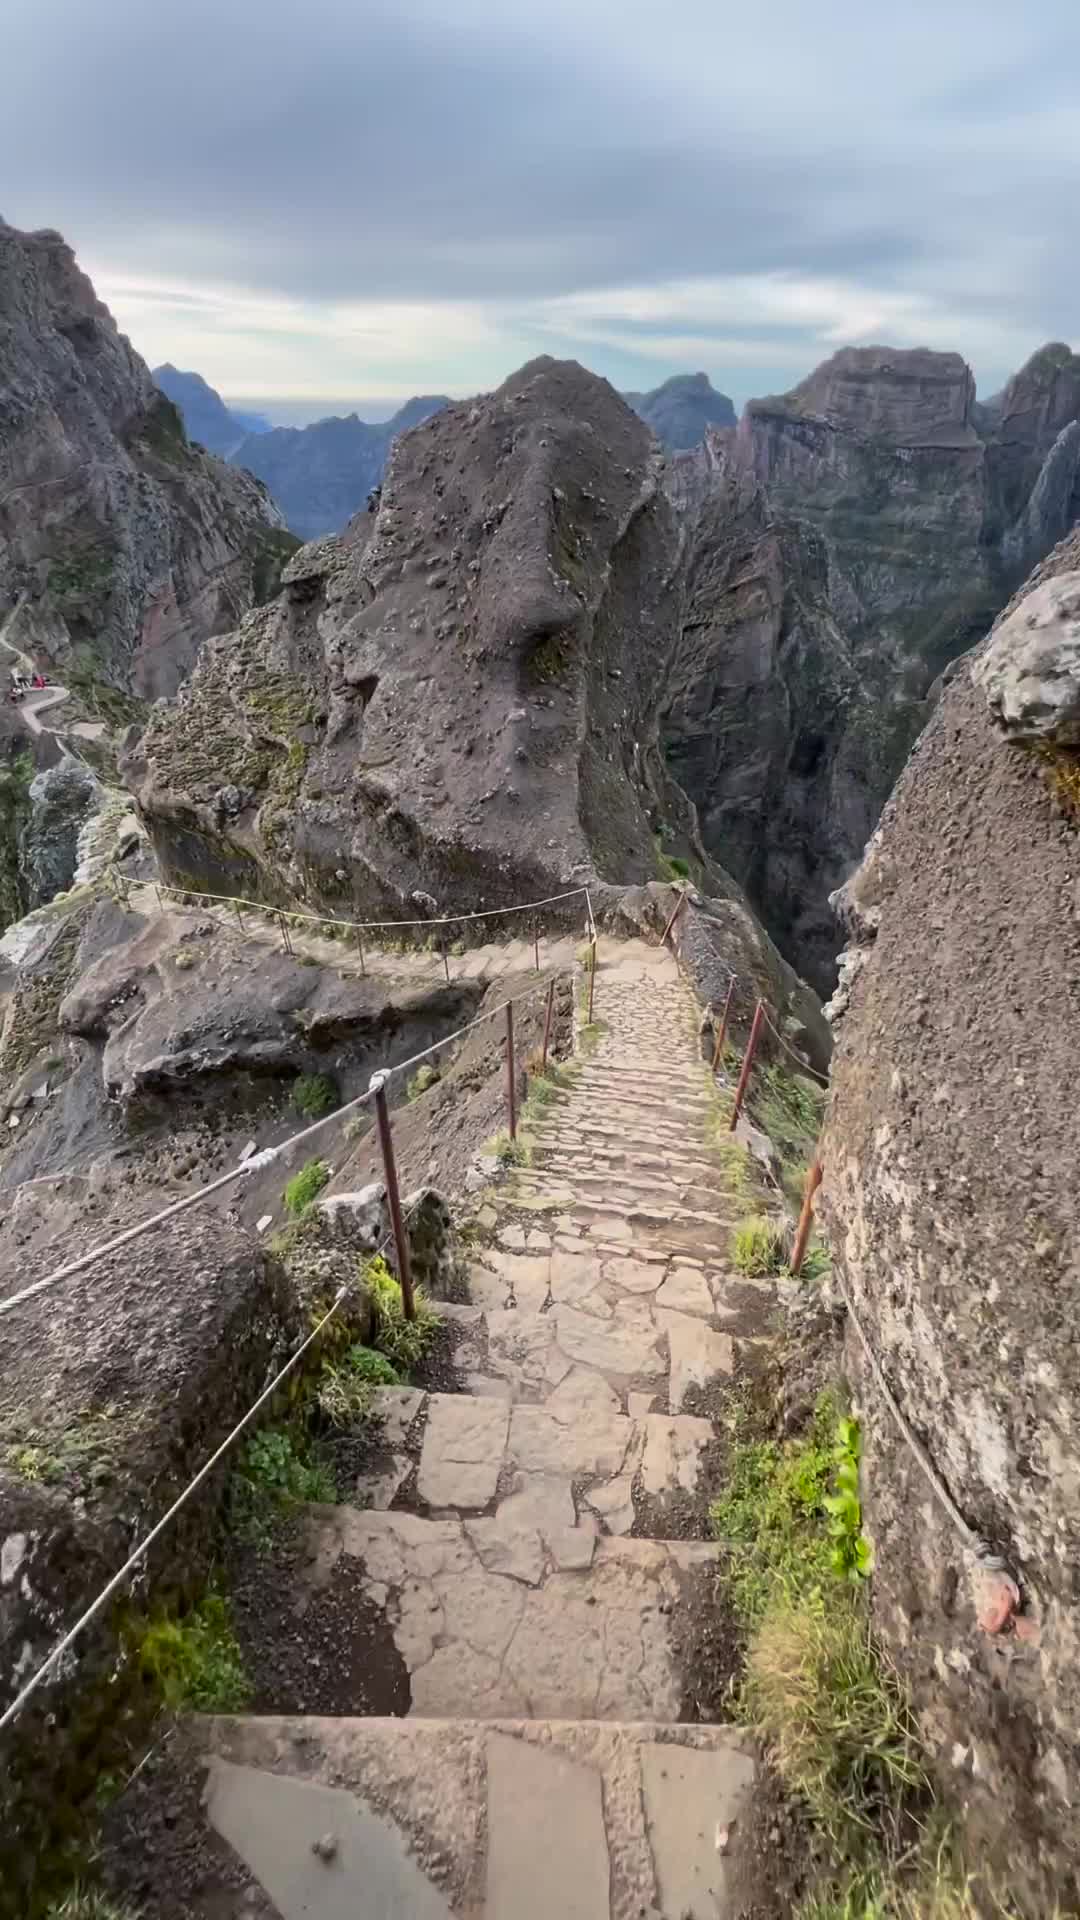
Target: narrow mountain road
<point>530,1544</point>
<point>40,699</point>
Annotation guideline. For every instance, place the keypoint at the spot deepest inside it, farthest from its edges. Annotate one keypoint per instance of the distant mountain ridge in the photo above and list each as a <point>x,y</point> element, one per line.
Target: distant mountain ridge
<point>682,410</point>
<point>206,417</point>
<point>321,474</point>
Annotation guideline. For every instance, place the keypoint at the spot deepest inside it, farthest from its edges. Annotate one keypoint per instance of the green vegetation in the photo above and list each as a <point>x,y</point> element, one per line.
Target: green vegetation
<point>347,1386</point>
<point>1061,769</point>
<point>82,1455</point>
<point>89,1903</point>
<point>15,777</point>
<point>305,1187</point>
<point>789,1107</point>
<point>194,1661</point>
<point>314,1095</point>
<point>833,1715</point>
<point>162,430</point>
<point>278,1470</point>
<point>405,1343</point>
<point>758,1247</point>
<point>274,549</point>
<point>670,866</point>
<point>82,578</point>
<point>422,1080</point>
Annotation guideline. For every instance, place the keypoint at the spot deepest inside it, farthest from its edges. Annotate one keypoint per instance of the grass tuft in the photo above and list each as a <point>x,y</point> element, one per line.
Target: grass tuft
<point>422,1080</point>
<point>757,1247</point>
<point>305,1187</point>
<point>89,1903</point>
<point>405,1343</point>
<point>347,1386</point>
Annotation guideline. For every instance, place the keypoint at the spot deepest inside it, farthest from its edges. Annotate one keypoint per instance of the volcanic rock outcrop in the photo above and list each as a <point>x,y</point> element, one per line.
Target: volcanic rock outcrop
<point>843,546</point>
<point>951,1196</point>
<point>121,546</point>
<point>457,699</point>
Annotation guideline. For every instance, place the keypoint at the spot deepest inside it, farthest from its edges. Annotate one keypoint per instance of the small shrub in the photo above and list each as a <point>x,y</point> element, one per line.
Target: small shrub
<point>509,1153</point>
<point>195,1662</point>
<point>184,959</point>
<point>305,1187</point>
<point>758,1248</point>
<point>355,1128</point>
<point>314,1094</point>
<point>347,1387</point>
<point>424,1078</point>
<point>405,1343</point>
<point>273,1476</point>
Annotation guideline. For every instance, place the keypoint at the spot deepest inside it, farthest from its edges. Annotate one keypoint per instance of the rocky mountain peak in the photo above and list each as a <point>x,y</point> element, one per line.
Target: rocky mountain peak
<point>121,545</point>
<point>906,397</point>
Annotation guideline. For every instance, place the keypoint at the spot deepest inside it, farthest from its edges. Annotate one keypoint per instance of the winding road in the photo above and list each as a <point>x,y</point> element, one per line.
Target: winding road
<point>40,699</point>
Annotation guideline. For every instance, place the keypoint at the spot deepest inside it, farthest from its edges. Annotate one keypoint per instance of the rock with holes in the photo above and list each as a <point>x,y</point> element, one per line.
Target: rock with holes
<point>1030,671</point>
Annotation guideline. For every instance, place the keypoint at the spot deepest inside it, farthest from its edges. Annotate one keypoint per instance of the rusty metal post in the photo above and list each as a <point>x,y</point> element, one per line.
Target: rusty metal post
<point>445,949</point>
<point>239,917</point>
<point>536,950</point>
<point>679,905</point>
<point>285,932</point>
<point>160,902</point>
<point>802,1235</point>
<point>718,1050</point>
<point>360,950</point>
<point>511,1085</point>
<point>547,1025</point>
<point>592,977</point>
<point>393,1196</point>
<point>748,1061</point>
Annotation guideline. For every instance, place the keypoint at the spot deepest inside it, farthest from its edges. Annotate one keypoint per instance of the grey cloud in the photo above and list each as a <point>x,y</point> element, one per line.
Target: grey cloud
<point>346,151</point>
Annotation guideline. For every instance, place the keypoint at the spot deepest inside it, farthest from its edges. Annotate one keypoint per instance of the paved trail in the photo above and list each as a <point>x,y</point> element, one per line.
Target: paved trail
<point>528,1542</point>
<point>39,700</point>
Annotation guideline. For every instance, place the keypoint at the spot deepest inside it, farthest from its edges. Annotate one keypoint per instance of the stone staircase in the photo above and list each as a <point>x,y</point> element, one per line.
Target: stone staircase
<point>531,1542</point>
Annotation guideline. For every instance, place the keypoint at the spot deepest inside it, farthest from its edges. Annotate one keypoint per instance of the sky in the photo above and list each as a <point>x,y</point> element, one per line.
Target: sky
<point>385,197</point>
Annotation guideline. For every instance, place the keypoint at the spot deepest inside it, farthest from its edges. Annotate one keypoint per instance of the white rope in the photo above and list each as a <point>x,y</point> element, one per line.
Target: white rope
<point>291,914</point>
<point>155,1533</point>
<point>257,1162</point>
<point>802,1065</point>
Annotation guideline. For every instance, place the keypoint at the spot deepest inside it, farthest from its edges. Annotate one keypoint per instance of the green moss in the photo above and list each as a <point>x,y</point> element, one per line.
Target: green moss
<point>194,1661</point>
<point>305,1187</point>
<point>669,866</point>
<point>314,1095</point>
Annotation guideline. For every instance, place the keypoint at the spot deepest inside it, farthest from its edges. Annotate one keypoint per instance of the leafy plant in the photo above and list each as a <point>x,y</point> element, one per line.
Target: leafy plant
<point>305,1187</point>
<point>424,1078</point>
<point>758,1247</point>
<point>273,1476</point>
<point>404,1342</point>
<point>770,1516</point>
<point>347,1386</point>
<point>195,1662</point>
<point>852,1556</point>
<point>314,1094</point>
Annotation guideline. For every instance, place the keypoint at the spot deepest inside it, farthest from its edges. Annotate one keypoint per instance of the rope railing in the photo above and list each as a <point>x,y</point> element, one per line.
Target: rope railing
<point>264,1157</point>
<point>138,1554</point>
<point>197,896</point>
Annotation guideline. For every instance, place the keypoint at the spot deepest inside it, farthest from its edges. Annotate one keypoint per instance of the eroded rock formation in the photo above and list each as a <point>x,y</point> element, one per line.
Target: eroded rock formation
<point>121,545</point>
<point>843,546</point>
<point>951,1197</point>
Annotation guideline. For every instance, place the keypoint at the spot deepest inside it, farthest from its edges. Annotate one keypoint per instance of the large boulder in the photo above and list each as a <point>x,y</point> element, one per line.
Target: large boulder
<point>116,1386</point>
<point>951,1196</point>
<point>1030,672</point>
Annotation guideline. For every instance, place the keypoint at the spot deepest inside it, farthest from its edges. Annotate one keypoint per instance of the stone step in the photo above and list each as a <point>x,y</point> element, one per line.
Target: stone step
<point>684,1079</point>
<point>645,1093</point>
<point>632,1169</point>
<point>503,1819</point>
<point>517,1612</point>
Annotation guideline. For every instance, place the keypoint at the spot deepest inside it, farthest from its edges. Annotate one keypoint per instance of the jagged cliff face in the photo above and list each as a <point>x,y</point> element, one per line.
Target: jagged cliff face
<point>951,1197</point>
<point>846,543</point>
<point>121,545</point>
<point>456,701</point>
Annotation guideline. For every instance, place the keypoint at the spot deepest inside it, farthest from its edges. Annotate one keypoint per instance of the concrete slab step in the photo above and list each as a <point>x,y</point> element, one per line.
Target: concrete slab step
<point>504,1819</point>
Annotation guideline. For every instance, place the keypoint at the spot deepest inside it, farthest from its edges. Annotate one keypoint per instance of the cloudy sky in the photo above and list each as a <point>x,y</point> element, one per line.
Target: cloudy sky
<point>370,198</point>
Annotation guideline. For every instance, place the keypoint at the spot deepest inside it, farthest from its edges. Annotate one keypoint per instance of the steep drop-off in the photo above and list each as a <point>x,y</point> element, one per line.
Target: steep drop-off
<point>323,473</point>
<point>842,546</point>
<point>121,546</point>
